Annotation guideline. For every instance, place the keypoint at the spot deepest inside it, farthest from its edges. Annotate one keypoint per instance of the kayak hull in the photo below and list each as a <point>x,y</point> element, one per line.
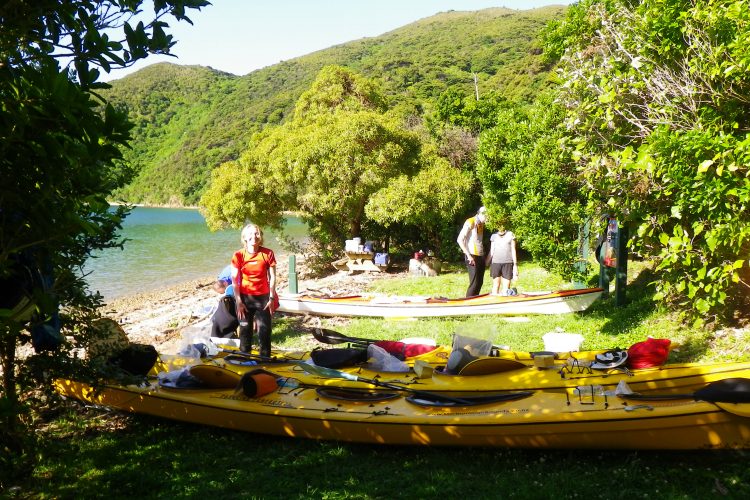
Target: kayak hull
<point>546,419</point>
<point>561,302</point>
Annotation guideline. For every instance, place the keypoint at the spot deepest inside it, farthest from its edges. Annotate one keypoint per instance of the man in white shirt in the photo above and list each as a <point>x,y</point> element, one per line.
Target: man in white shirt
<point>470,241</point>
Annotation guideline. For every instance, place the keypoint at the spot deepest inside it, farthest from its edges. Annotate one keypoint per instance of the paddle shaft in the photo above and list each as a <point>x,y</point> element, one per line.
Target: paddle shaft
<point>731,395</point>
<point>415,392</point>
<point>259,357</point>
<point>332,337</point>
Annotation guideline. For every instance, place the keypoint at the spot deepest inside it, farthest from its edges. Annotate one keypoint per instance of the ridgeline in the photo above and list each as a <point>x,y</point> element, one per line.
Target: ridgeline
<point>190,119</point>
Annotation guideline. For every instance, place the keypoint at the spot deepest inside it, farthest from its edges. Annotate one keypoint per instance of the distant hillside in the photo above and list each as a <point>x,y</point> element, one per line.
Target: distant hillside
<point>190,119</point>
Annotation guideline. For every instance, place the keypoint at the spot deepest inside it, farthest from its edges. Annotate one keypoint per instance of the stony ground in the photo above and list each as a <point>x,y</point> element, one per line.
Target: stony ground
<point>161,317</point>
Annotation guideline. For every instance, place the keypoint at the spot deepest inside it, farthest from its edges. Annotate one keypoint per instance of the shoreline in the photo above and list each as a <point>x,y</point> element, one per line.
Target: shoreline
<point>178,207</point>
<point>159,317</point>
<point>148,205</point>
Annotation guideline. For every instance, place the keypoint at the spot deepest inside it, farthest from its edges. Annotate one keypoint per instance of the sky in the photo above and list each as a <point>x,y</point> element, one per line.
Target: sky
<point>240,36</point>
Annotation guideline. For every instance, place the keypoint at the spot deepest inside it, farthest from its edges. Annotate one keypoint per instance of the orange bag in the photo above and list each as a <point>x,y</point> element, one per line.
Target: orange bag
<point>258,383</point>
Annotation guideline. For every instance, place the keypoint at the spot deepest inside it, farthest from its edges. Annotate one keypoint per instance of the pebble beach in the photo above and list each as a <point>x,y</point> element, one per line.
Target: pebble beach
<point>160,317</point>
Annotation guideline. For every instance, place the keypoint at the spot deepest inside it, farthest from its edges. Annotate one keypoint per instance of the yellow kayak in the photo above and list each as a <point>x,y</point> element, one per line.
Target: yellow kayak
<point>492,374</point>
<point>507,370</point>
<point>550,418</point>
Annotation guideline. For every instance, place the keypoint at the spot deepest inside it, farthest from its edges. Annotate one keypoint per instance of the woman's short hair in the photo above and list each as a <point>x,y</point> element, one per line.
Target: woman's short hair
<point>247,229</point>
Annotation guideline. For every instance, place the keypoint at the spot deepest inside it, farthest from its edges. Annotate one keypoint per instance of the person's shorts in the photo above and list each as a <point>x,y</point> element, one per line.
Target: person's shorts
<point>501,271</point>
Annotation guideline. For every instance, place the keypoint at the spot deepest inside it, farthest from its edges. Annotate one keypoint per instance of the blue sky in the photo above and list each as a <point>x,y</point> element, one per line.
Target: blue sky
<point>240,36</point>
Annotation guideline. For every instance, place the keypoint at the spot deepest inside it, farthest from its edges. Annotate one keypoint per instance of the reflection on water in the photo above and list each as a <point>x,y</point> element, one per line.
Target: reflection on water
<point>168,246</point>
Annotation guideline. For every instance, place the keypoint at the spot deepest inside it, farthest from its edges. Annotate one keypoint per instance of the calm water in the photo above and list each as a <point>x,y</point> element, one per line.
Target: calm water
<point>168,246</point>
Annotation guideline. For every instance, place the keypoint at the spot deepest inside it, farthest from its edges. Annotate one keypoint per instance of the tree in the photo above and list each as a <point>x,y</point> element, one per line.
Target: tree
<point>530,183</point>
<point>453,107</point>
<point>658,119</point>
<point>426,205</point>
<point>59,159</point>
<point>338,150</point>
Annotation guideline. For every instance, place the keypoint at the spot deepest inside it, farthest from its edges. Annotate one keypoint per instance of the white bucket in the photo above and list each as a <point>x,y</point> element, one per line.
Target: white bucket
<point>562,342</point>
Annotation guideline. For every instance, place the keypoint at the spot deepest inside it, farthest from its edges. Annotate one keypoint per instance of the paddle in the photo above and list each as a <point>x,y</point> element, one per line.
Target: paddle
<point>332,337</point>
<point>430,398</point>
<point>729,394</point>
<point>265,359</point>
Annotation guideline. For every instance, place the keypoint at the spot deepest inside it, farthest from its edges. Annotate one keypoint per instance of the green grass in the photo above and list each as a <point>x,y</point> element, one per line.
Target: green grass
<point>94,453</point>
<point>603,325</point>
<point>146,457</point>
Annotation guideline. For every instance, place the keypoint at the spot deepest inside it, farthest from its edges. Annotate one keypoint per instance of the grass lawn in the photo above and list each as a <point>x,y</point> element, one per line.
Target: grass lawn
<point>603,325</point>
<point>94,453</point>
<point>100,455</point>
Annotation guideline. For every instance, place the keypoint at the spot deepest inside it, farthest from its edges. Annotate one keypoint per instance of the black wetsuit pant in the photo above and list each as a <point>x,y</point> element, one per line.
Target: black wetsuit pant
<point>256,313</point>
<point>476,275</point>
<point>224,321</point>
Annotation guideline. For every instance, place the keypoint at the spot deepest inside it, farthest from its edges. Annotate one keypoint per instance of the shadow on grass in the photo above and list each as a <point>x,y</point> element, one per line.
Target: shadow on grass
<point>639,306</point>
<point>147,457</point>
<point>639,310</point>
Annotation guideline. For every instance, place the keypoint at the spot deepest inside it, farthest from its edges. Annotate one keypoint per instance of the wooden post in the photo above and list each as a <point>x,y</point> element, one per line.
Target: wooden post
<point>621,271</point>
<point>292,279</point>
<point>583,254</point>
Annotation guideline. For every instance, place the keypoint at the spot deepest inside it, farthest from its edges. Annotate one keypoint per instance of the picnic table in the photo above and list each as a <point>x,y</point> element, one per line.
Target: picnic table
<point>359,261</point>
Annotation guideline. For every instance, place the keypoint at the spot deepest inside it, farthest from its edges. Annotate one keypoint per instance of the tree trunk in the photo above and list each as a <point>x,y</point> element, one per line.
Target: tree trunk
<point>355,228</point>
<point>8,360</point>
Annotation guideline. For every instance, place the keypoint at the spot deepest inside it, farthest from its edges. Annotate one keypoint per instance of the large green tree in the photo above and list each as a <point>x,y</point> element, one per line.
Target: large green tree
<point>530,184</point>
<point>340,148</point>
<point>422,209</point>
<point>658,115</point>
<point>60,151</point>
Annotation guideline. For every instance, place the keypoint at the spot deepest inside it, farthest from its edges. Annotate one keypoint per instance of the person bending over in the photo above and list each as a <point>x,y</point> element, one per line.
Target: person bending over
<point>502,261</point>
<point>224,320</point>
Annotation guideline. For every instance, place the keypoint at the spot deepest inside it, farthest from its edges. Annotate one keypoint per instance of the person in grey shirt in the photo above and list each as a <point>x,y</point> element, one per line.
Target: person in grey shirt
<point>502,261</point>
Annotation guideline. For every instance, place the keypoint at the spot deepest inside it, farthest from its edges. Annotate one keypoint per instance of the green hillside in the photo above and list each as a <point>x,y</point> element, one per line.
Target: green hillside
<point>189,119</point>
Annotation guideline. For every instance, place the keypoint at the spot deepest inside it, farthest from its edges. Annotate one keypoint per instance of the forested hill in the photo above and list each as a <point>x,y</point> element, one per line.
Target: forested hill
<point>189,119</point>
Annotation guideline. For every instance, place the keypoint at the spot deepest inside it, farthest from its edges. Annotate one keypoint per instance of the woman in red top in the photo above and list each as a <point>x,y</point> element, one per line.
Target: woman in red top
<point>254,279</point>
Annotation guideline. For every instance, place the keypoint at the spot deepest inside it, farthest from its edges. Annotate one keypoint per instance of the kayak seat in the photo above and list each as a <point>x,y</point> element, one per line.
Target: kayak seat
<point>483,366</point>
<point>490,366</point>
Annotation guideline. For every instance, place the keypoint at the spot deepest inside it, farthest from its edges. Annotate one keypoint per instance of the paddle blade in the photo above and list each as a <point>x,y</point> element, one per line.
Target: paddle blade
<point>332,337</point>
<point>322,335</point>
<point>729,390</point>
<point>324,372</point>
<point>432,399</point>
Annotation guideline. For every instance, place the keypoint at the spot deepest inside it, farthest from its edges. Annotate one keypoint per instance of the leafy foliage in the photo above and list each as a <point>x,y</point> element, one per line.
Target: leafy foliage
<point>468,112</point>
<point>659,123</point>
<point>422,208</point>
<point>530,185</point>
<point>189,120</point>
<point>324,164</point>
<point>59,160</point>
<point>574,31</point>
